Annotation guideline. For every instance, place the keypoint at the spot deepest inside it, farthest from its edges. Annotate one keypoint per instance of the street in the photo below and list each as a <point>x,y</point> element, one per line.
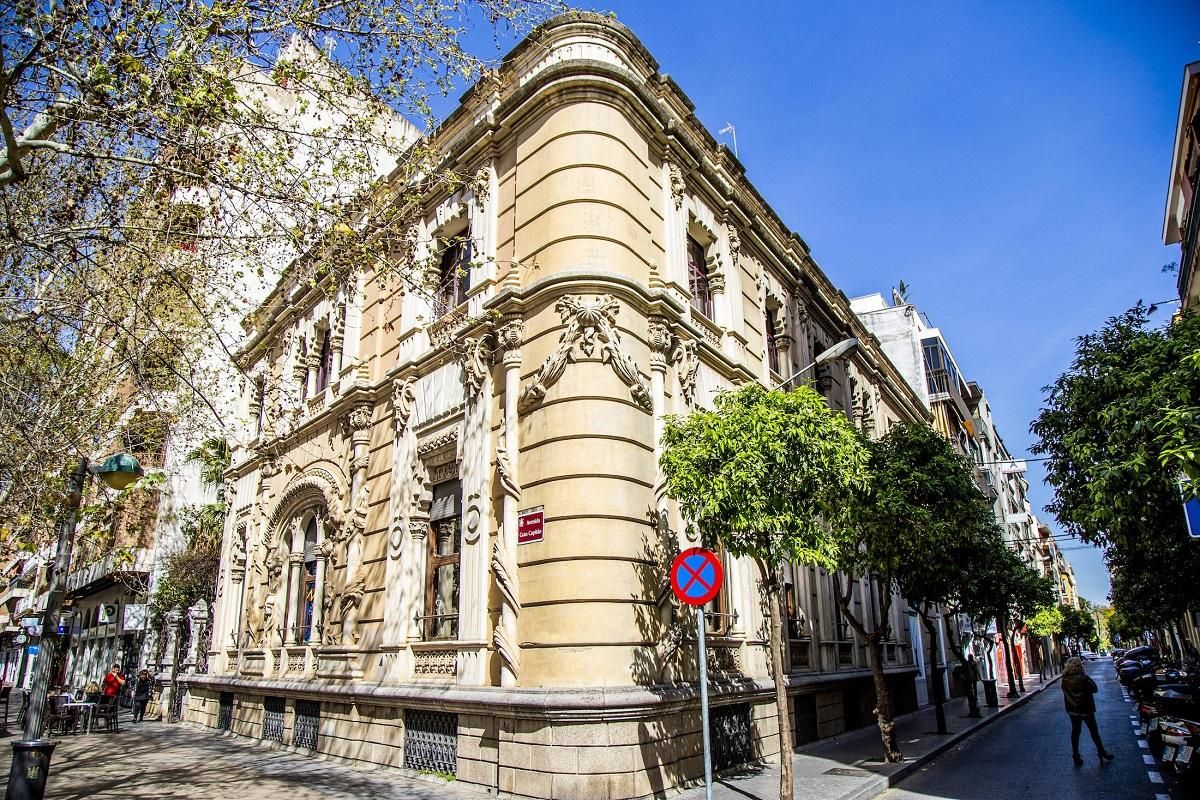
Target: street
<point>1028,755</point>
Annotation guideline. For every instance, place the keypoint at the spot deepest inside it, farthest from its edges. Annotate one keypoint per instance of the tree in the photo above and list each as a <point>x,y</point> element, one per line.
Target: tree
<point>913,530</point>
<point>1022,591</point>
<point>766,475</point>
<point>1079,627</point>
<point>154,156</point>
<point>1118,429</point>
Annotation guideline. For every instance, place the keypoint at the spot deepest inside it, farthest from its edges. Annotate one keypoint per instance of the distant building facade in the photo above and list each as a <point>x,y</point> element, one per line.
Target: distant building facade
<point>448,537</point>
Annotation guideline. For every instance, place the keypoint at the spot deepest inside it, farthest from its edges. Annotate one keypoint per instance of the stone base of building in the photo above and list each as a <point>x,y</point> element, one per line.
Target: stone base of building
<point>616,744</point>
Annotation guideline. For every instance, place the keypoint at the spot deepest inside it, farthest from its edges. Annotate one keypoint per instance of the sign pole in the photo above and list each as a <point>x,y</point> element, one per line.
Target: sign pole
<point>704,703</point>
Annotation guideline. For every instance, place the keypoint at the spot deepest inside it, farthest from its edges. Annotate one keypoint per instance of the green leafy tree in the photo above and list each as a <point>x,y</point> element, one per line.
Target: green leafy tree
<point>154,154</point>
<point>766,474</point>
<point>1046,621</point>
<point>913,530</point>
<point>1119,428</point>
<point>1023,591</point>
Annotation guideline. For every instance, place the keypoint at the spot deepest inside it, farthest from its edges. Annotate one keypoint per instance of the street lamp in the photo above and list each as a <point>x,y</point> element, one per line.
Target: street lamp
<point>840,350</point>
<point>31,755</point>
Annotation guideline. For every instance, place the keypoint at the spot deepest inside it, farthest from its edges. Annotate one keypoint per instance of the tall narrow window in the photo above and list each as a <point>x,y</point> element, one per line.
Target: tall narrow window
<point>325,365</point>
<point>308,591</point>
<point>698,278</point>
<point>441,599</point>
<point>717,619</point>
<point>454,275</point>
<point>772,344</point>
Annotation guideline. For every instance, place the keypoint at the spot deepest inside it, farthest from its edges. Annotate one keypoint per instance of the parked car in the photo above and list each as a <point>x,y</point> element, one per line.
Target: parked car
<point>1088,655</point>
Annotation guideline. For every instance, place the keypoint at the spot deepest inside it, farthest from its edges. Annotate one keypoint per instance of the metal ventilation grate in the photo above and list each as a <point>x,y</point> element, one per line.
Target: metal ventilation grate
<point>730,733</point>
<point>273,719</point>
<point>308,723</point>
<point>225,711</point>
<point>431,741</point>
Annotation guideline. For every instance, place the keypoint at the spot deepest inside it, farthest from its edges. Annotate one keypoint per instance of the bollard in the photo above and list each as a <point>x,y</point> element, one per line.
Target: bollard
<point>30,766</point>
<point>989,693</point>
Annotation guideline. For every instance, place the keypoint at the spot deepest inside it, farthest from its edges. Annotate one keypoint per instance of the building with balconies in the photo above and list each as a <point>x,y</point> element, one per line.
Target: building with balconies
<point>1182,221</point>
<point>447,537</point>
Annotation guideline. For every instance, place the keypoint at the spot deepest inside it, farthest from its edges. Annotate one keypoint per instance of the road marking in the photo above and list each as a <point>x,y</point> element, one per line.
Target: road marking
<point>1162,797</point>
<point>1133,716</point>
<point>1155,777</point>
<point>1142,743</point>
<point>1147,758</point>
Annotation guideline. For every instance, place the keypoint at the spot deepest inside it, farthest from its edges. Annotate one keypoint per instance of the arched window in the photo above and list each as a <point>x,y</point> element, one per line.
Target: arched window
<point>308,578</point>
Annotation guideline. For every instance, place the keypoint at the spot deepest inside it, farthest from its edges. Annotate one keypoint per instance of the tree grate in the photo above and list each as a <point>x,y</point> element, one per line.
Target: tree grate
<point>431,741</point>
<point>308,723</point>
<point>272,729</point>
<point>225,711</point>
<point>731,736</point>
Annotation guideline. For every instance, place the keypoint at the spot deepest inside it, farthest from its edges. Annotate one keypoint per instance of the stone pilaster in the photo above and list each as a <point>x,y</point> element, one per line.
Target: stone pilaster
<point>504,556</point>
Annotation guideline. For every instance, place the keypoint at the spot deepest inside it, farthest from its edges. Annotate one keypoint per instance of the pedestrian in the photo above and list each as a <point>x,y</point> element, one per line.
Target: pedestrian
<point>1078,690</point>
<point>971,676</point>
<point>141,695</point>
<point>112,683</point>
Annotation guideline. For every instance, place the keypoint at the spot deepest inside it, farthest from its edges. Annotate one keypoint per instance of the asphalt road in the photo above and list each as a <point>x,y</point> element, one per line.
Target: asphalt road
<point>1027,755</point>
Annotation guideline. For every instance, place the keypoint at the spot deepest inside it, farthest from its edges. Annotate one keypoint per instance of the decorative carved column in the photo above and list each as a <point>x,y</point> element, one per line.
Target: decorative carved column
<point>659,336</point>
<point>418,531</point>
<point>292,597</point>
<point>395,628</point>
<point>234,599</point>
<point>198,616</point>
<point>504,555</point>
<point>359,421</point>
<point>323,549</point>
<point>337,334</point>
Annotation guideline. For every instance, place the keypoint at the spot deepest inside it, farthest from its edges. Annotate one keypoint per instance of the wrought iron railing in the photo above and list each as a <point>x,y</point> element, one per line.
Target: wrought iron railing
<point>272,729</point>
<point>308,724</point>
<point>225,711</point>
<point>731,735</point>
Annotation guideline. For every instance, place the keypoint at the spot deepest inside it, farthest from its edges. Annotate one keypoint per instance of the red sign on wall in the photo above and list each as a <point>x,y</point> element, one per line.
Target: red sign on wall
<point>530,525</point>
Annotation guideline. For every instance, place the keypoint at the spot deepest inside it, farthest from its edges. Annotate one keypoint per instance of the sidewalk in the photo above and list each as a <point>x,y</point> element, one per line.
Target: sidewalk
<point>851,767</point>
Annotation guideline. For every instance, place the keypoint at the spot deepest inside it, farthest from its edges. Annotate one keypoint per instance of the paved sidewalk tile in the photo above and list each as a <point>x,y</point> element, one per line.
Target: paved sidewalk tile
<point>850,766</point>
<point>154,761</point>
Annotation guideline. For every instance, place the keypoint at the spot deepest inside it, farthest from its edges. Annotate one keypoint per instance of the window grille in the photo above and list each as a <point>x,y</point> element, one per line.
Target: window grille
<point>730,733</point>
<point>806,718</point>
<point>225,711</point>
<point>273,719</point>
<point>431,741</point>
<point>308,723</point>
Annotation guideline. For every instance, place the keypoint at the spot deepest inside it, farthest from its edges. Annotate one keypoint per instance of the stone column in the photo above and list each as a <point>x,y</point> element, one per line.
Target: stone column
<point>675,224</point>
<point>337,333</point>
<point>198,615</point>
<point>291,615</point>
<point>359,421</point>
<point>395,629</point>
<point>504,555</point>
<point>418,532</point>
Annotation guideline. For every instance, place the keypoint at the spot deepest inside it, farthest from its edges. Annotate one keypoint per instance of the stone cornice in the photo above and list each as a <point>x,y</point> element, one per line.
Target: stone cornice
<point>564,705</point>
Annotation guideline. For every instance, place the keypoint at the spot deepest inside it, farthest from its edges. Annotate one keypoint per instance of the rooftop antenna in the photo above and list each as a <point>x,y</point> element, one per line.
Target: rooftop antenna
<point>329,43</point>
<point>732,131</point>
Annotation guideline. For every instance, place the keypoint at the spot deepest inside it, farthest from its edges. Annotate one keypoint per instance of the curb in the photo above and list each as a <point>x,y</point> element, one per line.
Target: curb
<point>882,783</point>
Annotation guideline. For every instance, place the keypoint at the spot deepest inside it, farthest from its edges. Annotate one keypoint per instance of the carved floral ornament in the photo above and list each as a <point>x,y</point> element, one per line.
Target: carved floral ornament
<point>585,324</point>
<point>675,175</point>
<point>475,364</point>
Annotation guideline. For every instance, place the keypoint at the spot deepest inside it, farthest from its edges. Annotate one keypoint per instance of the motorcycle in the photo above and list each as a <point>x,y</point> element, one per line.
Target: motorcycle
<point>1179,739</point>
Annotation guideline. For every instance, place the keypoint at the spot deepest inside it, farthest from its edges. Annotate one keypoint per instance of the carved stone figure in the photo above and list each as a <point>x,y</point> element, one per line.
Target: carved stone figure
<point>349,603</point>
<point>586,323</point>
<point>687,365</point>
<point>475,367</point>
<point>735,246</point>
<point>404,399</point>
<point>677,185</point>
<point>504,470</point>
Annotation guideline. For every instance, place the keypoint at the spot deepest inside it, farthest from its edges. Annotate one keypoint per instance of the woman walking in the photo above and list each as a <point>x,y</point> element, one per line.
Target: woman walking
<point>1078,690</point>
<point>141,695</point>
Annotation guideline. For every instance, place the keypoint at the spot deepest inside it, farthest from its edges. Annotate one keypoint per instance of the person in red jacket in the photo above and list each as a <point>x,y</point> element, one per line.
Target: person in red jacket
<point>113,681</point>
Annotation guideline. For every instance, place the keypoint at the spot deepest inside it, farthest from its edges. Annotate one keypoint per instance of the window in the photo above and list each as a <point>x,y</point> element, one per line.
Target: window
<point>772,344</point>
<point>441,598</point>
<point>454,275</point>
<point>698,281</point>
<point>325,365</point>
<point>308,589</point>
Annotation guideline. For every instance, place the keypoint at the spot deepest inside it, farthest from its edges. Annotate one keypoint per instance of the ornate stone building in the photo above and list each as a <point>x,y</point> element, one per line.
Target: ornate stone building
<point>448,537</point>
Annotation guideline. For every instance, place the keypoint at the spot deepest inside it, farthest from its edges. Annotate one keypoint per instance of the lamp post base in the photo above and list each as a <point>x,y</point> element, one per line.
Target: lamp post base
<point>30,767</point>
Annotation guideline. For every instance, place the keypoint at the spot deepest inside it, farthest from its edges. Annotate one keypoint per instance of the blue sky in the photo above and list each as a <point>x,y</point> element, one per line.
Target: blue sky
<point>1008,161</point>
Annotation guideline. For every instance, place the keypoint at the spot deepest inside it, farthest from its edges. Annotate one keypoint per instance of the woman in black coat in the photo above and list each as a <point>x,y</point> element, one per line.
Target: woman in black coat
<point>1078,695</point>
<point>141,695</point>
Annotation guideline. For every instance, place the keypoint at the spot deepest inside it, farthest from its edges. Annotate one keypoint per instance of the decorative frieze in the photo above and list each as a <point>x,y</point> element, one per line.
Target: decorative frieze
<point>435,663</point>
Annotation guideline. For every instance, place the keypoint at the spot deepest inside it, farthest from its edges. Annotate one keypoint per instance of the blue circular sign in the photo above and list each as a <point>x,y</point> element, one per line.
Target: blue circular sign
<point>696,576</point>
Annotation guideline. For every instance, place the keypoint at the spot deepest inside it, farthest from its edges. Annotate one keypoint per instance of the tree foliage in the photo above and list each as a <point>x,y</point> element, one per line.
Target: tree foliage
<point>1118,428</point>
<point>765,474</point>
<point>1046,621</point>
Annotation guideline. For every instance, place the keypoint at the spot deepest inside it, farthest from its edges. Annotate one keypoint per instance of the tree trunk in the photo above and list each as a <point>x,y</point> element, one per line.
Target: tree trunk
<point>935,674</point>
<point>778,674</point>
<point>1008,665</point>
<point>883,701</point>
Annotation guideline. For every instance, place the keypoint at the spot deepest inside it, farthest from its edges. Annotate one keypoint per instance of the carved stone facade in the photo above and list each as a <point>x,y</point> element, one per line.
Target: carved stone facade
<point>477,503</point>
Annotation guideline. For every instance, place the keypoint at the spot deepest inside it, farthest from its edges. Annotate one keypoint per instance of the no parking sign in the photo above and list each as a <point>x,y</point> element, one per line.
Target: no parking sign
<point>696,576</point>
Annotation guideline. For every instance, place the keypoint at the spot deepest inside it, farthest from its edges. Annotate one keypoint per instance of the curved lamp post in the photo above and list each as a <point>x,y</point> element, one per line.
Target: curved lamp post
<point>842,349</point>
<point>31,756</point>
